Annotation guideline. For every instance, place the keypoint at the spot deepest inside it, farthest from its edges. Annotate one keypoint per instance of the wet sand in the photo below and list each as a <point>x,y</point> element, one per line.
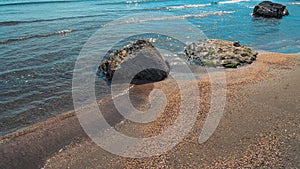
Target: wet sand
<point>260,126</point>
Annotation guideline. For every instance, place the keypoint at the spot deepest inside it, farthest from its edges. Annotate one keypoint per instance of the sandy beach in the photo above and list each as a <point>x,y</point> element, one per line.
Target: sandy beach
<point>260,126</point>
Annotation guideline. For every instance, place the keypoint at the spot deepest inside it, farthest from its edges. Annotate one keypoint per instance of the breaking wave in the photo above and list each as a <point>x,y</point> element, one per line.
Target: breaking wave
<point>62,32</point>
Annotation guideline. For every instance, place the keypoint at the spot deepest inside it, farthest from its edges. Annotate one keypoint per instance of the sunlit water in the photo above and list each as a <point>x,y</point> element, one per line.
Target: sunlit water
<point>41,39</point>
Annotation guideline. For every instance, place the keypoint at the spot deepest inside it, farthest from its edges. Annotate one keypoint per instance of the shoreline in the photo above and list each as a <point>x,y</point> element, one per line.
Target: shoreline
<point>71,113</point>
<point>29,145</point>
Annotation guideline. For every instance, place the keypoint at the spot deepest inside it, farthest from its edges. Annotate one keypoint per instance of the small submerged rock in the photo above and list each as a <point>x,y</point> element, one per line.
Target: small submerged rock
<point>138,63</point>
<point>269,9</point>
<point>218,53</point>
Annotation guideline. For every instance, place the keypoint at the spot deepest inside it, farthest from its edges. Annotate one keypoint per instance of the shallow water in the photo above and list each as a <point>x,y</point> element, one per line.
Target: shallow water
<point>40,41</point>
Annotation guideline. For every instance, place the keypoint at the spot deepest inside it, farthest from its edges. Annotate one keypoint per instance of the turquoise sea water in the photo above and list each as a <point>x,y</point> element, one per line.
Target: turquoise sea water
<point>41,39</point>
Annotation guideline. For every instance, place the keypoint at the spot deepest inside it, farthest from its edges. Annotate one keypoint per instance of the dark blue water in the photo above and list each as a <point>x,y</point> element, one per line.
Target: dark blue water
<point>41,39</point>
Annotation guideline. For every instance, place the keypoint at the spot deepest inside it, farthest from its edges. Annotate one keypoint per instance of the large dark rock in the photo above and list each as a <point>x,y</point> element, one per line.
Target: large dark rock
<point>138,63</point>
<point>220,53</point>
<point>270,10</point>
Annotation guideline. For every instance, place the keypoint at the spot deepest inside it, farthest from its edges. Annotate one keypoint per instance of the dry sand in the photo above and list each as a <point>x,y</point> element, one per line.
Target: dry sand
<point>260,126</point>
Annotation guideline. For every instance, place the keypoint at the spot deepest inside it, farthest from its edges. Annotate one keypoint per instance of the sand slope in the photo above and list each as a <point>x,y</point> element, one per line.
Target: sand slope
<point>260,127</point>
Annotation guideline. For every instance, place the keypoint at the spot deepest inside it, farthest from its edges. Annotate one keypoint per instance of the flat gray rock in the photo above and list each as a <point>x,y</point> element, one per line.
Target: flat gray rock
<point>220,53</point>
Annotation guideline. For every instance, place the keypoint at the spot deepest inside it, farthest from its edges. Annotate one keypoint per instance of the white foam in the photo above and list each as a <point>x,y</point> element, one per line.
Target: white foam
<point>188,6</point>
<point>294,3</point>
<point>136,1</point>
<point>153,40</point>
<point>232,1</point>
<point>125,91</point>
<point>64,31</point>
<point>202,15</point>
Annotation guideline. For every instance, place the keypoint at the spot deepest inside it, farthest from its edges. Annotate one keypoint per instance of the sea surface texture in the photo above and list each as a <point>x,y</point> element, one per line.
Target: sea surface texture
<point>40,41</point>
